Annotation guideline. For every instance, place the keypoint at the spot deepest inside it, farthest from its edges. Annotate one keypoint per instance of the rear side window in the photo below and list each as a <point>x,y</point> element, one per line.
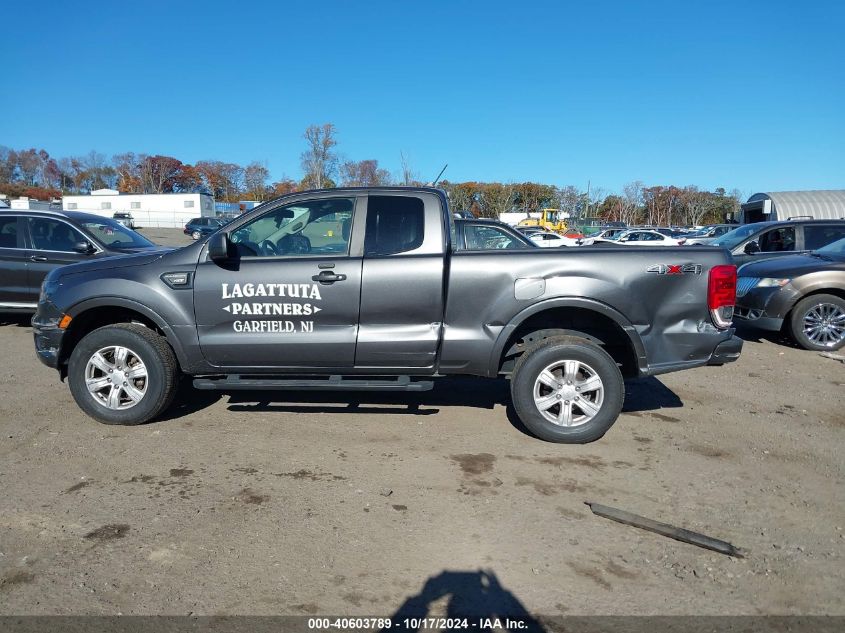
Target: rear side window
<point>9,232</point>
<point>395,224</point>
<point>818,236</point>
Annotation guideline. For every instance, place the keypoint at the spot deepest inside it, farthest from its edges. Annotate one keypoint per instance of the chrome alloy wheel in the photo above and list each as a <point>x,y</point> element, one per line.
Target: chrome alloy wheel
<point>824,324</point>
<point>568,393</point>
<point>116,377</point>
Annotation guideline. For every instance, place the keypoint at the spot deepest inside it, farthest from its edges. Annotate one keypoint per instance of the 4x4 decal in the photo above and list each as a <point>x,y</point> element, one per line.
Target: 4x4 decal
<point>675,269</point>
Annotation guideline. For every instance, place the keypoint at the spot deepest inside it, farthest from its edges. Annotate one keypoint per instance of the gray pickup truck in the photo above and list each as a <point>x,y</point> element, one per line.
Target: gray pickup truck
<point>383,289</point>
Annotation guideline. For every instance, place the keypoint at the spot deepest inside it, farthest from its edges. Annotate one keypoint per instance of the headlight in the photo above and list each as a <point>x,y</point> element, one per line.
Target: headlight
<point>769,282</point>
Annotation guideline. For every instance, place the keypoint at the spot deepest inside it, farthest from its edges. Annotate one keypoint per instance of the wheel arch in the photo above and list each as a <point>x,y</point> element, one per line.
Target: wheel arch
<point>815,289</point>
<point>95,313</point>
<point>575,316</point>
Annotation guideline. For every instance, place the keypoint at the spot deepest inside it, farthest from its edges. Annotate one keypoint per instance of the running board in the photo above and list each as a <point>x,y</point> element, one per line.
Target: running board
<point>328,383</point>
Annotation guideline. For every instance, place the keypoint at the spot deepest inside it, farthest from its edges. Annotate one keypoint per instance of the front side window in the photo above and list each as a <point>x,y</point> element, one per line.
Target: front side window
<point>819,236</point>
<point>778,240</point>
<point>480,237</point>
<point>309,227</point>
<point>9,232</point>
<point>53,235</point>
<point>395,224</point>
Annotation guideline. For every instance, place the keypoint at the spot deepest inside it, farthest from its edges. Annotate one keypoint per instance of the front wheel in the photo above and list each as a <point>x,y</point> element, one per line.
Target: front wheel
<point>567,389</point>
<point>123,374</point>
<point>818,322</point>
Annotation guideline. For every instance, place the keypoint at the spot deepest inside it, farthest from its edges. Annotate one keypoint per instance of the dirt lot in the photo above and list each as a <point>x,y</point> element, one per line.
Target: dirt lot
<point>271,504</point>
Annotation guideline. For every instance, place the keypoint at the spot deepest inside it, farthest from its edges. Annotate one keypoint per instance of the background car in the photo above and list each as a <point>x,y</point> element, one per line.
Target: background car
<point>708,233</point>
<point>607,235</point>
<point>200,227</point>
<point>640,237</point>
<point>547,239</point>
<point>125,218</point>
<point>803,294</point>
<point>32,243</point>
<point>764,240</point>
<point>529,230</point>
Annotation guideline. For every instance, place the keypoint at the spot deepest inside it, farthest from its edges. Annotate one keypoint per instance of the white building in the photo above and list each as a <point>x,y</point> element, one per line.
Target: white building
<point>31,203</point>
<point>156,210</point>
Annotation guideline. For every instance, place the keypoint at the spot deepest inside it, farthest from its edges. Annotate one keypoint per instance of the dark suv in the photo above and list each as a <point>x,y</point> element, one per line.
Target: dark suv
<point>32,243</point>
<point>763,240</point>
<point>200,227</point>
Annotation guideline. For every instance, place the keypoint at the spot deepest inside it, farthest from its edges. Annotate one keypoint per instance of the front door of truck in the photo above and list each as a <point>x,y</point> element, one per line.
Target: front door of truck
<point>289,297</point>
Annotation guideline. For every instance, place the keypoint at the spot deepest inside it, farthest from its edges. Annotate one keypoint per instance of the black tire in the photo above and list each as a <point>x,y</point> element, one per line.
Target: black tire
<point>196,235</point>
<point>802,309</point>
<point>558,349</point>
<point>152,349</point>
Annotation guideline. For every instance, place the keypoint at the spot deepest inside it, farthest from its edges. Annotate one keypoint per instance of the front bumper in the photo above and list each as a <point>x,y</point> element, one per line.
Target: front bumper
<point>47,334</point>
<point>726,352</point>
<point>765,308</point>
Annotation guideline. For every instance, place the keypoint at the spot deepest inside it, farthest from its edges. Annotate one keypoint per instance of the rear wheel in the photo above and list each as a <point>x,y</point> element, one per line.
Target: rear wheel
<point>567,389</point>
<point>196,235</point>
<point>123,374</point>
<point>818,322</point>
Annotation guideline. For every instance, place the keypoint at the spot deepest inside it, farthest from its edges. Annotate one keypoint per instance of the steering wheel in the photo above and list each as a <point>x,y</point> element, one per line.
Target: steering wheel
<point>268,248</point>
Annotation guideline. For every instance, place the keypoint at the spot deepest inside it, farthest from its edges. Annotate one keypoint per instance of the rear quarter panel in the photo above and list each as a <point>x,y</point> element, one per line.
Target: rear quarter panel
<point>667,313</point>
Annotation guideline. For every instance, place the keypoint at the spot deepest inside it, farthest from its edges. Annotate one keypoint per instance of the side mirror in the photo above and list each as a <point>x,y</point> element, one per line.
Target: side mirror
<point>218,247</point>
<point>84,246</point>
<point>752,248</point>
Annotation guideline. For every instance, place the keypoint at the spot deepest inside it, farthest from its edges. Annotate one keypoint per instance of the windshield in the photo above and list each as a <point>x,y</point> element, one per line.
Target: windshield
<point>837,248</point>
<point>114,235</point>
<point>733,238</point>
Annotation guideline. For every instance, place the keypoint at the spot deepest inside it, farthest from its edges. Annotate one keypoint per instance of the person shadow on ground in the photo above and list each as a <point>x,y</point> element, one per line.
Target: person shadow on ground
<point>475,595</point>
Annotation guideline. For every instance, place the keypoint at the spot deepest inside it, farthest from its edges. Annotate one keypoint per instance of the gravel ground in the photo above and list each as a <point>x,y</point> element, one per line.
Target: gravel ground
<point>328,504</point>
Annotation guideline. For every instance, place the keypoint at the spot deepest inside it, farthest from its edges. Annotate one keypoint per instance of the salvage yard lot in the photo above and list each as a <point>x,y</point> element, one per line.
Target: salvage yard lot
<point>267,503</point>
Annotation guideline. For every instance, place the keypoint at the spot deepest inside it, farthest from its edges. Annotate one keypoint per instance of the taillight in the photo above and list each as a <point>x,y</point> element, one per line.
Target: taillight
<point>721,294</point>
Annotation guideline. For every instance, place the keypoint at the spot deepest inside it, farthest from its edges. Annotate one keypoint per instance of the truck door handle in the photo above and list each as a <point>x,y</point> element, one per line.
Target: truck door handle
<point>37,258</point>
<point>326,277</point>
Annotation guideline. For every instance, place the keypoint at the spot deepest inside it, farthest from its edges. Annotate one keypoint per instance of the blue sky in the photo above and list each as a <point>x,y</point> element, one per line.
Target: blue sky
<point>735,94</point>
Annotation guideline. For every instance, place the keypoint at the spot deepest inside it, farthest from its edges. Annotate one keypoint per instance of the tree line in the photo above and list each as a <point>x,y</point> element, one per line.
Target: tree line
<point>34,173</point>
<point>656,205</point>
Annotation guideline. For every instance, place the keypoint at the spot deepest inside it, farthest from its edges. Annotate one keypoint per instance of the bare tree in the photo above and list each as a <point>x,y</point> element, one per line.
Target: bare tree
<point>630,202</point>
<point>695,203</point>
<point>408,175</point>
<point>319,160</point>
<point>256,176</point>
<point>567,200</point>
